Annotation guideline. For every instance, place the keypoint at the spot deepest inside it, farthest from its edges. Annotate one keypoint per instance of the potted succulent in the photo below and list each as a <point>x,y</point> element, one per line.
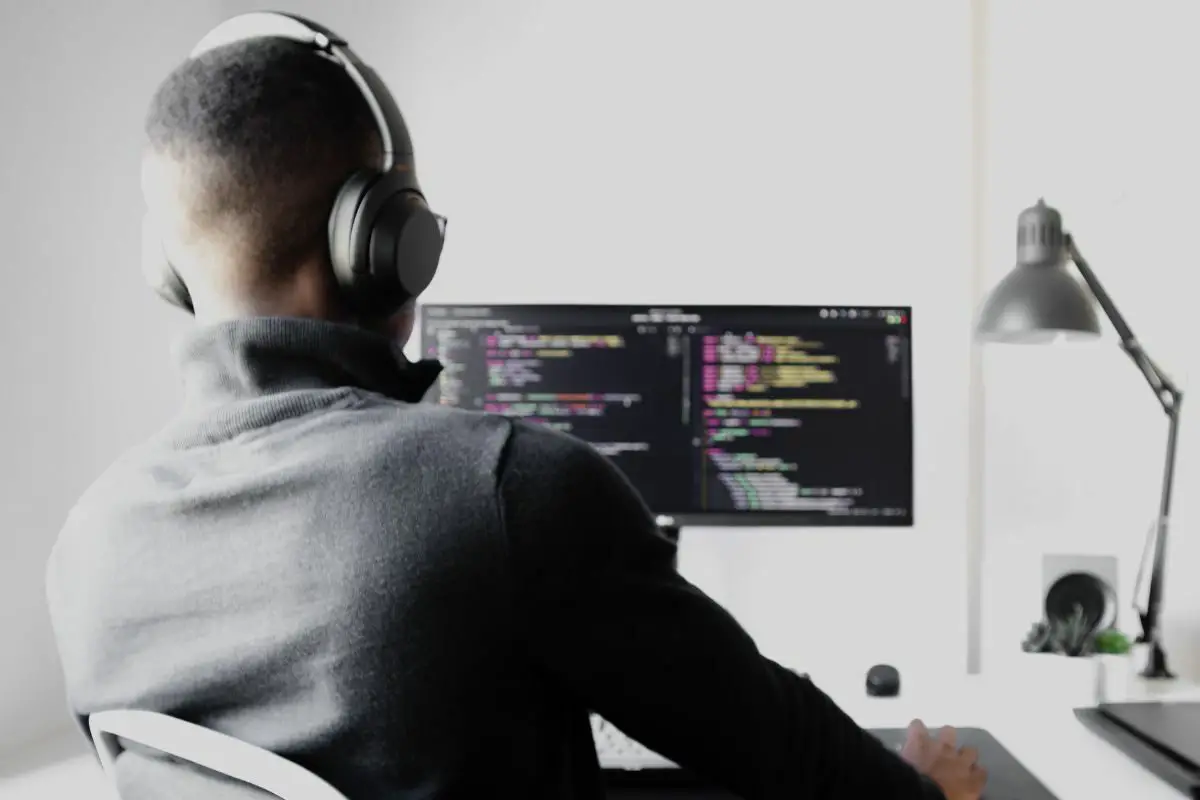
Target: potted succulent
<point>1071,656</point>
<point>1073,637</point>
<point>1113,643</point>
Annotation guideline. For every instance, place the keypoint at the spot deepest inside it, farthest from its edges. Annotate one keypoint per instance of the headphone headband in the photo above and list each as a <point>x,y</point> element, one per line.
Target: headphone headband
<point>397,148</point>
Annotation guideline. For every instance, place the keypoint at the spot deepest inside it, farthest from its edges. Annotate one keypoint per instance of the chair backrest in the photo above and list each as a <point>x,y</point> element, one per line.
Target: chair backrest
<point>205,748</point>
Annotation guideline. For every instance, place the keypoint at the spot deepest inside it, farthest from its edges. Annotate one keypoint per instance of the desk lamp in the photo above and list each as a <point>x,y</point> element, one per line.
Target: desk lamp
<point>1040,301</point>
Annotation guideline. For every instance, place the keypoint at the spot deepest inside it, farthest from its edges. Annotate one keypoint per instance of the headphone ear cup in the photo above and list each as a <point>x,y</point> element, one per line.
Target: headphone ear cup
<point>407,242</point>
<point>158,272</point>
<point>344,244</point>
<point>384,242</point>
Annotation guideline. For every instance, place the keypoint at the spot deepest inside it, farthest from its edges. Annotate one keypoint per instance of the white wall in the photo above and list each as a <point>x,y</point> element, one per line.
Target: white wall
<point>84,359</point>
<point>707,151</point>
<point>1091,105</point>
<point>690,152</point>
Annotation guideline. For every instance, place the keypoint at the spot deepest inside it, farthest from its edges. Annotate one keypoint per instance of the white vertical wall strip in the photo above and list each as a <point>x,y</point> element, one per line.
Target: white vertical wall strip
<point>975,390</point>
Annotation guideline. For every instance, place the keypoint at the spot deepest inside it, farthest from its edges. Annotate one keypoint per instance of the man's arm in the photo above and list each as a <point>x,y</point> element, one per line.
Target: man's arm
<point>611,619</point>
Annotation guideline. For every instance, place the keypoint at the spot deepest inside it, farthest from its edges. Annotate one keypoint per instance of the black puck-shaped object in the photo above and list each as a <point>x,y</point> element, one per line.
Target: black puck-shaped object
<point>883,680</point>
<point>1082,592</point>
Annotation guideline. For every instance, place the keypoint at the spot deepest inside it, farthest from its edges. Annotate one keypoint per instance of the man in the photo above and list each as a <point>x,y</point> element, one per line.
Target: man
<point>408,600</point>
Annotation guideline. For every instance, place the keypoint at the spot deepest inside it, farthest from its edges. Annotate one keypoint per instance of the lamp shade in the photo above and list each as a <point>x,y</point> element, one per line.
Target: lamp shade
<point>1040,300</point>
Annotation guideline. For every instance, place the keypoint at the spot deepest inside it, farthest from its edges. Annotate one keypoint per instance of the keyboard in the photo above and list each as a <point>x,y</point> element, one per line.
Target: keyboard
<point>617,751</point>
<point>1007,778</point>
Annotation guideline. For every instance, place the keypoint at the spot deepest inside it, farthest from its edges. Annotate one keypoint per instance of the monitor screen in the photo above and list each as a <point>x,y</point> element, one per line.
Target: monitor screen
<point>718,415</point>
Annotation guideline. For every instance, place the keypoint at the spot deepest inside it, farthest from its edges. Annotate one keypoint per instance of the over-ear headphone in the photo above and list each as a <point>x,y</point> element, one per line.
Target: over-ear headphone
<point>384,241</point>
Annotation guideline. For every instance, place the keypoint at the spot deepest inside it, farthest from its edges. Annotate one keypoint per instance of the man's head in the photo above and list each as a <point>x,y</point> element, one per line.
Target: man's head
<point>249,144</point>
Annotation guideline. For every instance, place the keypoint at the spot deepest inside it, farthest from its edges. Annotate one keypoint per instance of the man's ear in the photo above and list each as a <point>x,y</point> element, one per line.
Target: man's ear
<point>400,324</point>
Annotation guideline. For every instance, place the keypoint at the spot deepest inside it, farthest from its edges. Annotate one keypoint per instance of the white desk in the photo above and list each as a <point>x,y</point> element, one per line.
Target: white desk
<point>1042,733</point>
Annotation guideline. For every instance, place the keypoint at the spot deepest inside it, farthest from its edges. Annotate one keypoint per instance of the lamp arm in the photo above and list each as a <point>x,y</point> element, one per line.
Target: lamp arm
<point>1170,397</point>
<point>1165,390</point>
<point>1150,617</point>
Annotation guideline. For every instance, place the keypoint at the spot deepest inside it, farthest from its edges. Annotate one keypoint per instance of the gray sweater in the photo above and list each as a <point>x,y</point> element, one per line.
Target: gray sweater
<point>410,600</point>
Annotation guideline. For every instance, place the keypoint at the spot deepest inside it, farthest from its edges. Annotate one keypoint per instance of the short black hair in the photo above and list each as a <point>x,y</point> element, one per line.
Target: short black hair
<point>275,128</point>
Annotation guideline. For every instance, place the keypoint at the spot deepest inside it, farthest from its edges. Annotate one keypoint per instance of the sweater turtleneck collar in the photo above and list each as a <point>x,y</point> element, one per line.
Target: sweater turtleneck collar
<point>248,373</point>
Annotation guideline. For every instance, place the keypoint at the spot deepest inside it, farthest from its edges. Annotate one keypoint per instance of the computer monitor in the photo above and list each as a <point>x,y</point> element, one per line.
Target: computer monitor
<point>718,415</point>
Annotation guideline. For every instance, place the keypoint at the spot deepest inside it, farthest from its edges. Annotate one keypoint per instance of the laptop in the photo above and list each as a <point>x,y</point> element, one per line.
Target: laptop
<point>1163,737</point>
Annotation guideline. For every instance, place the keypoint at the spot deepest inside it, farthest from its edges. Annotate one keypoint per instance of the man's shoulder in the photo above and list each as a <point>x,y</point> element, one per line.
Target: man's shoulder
<point>400,419</point>
<point>548,467</point>
<point>520,442</point>
<point>532,445</point>
<point>374,429</point>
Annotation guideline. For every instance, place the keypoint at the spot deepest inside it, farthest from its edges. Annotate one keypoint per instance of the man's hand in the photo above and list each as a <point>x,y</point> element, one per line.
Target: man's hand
<point>953,769</point>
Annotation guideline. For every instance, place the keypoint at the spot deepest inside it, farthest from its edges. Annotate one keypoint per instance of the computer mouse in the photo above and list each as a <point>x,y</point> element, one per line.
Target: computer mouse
<point>883,681</point>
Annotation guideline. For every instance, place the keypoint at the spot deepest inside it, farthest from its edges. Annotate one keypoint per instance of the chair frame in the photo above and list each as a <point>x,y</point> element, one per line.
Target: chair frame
<point>206,748</point>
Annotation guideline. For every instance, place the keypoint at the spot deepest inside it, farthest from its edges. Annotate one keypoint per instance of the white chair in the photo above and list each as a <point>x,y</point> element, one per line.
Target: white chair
<point>205,748</point>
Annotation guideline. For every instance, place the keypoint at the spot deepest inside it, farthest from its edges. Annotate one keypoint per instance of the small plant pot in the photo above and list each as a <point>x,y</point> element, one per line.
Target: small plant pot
<point>1116,676</point>
<point>1074,681</point>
